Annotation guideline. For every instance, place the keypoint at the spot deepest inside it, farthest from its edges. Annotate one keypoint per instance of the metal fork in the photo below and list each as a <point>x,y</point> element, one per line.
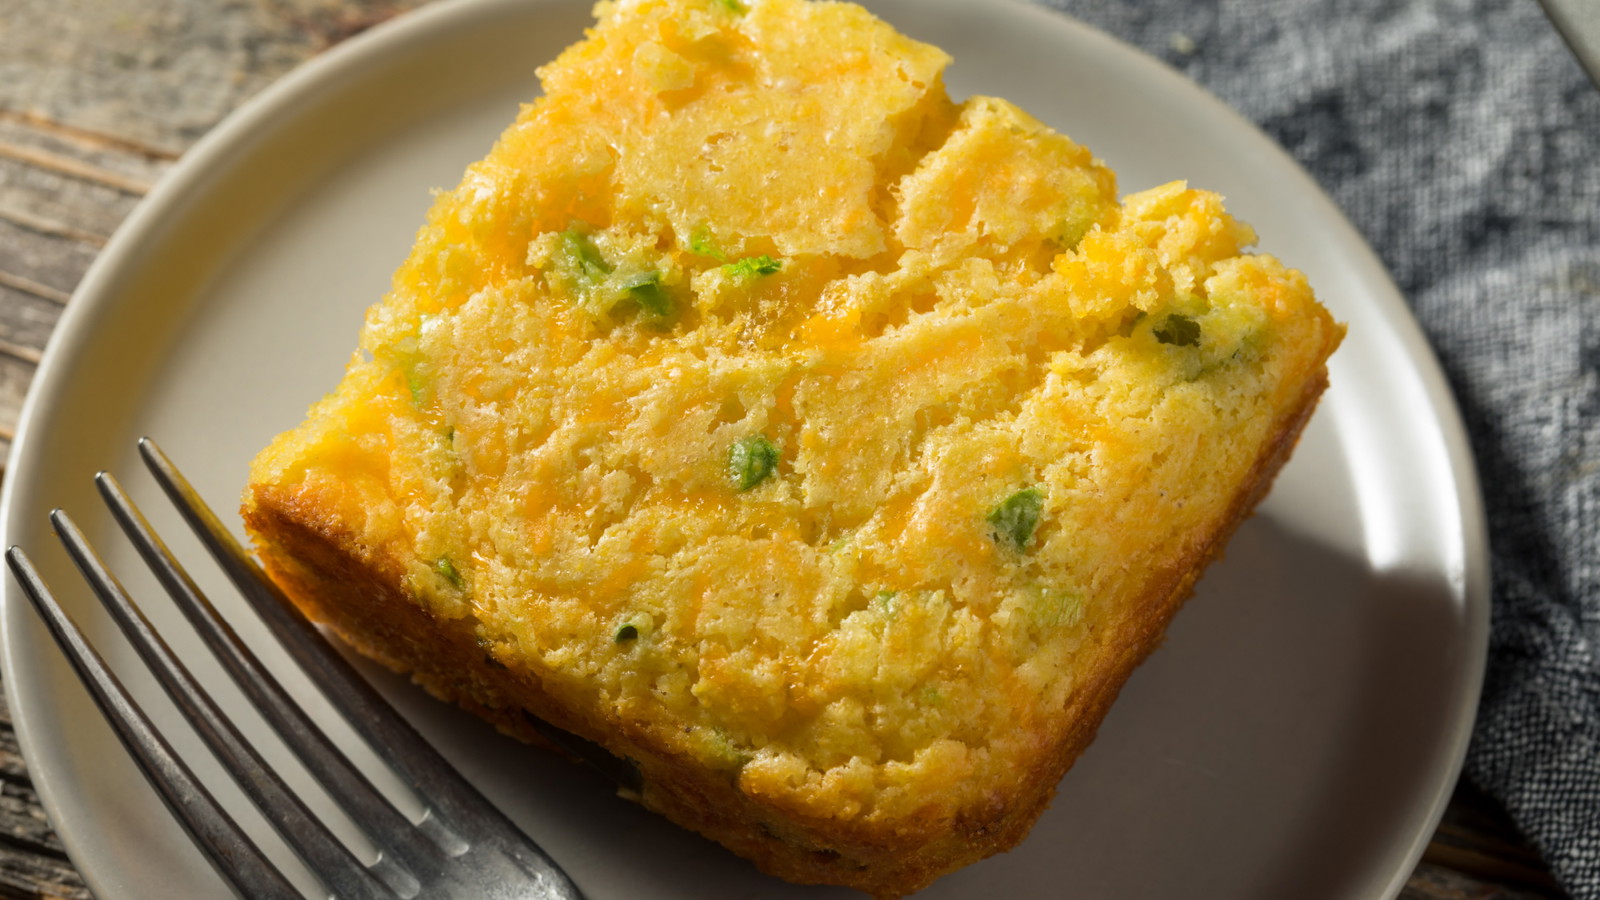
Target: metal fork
<point>463,847</point>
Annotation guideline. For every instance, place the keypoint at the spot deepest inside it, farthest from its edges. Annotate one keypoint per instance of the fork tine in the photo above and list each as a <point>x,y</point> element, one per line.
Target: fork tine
<point>455,805</point>
<point>324,854</point>
<point>239,862</point>
<point>349,787</point>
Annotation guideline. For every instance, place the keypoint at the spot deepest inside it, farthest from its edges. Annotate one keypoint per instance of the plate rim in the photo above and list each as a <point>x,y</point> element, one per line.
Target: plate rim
<point>254,120</point>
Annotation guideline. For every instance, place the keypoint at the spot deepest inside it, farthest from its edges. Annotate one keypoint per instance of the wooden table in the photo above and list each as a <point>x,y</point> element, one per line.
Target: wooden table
<point>97,99</point>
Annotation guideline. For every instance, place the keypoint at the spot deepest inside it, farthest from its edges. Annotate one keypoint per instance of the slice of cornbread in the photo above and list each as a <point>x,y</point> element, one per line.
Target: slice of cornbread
<point>830,450</point>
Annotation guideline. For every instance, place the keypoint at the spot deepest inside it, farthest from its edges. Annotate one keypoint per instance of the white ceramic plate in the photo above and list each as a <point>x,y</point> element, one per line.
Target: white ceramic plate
<point>1297,735</point>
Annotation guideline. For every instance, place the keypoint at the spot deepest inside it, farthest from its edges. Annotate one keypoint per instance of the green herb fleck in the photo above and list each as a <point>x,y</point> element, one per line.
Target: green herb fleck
<point>932,696</point>
<point>1178,330</point>
<point>1070,611</point>
<point>700,242</point>
<point>751,460</point>
<point>887,600</point>
<point>646,291</point>
<point>627,632</point>
<point>1016,517</point>
<point>725,753</point>
<point>449,434</point>
<point>583,257</point>
<point>733,6</point>
<point>1073,227</point>
<point>417,384</point>
<point>405,354</point>
<point>753,266</point>
<point>1058,608</point>
<point>447,571</point>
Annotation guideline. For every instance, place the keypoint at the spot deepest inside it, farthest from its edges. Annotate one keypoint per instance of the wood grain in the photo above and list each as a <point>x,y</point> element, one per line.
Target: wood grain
<point>98,98</point>
<point>32,862</point>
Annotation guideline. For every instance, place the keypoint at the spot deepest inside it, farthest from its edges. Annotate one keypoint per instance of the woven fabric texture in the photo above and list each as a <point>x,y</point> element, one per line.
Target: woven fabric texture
<point>1463,140</point>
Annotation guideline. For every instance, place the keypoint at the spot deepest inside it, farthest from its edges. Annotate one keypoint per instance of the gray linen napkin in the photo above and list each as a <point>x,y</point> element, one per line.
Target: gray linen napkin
<point>1464,141</point>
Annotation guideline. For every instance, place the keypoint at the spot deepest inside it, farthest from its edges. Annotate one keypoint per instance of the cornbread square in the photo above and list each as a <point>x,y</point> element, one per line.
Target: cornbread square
<point>830,450</point>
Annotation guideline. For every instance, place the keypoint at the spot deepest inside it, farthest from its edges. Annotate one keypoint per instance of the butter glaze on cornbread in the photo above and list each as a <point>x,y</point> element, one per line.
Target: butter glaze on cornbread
<point>829,449</point>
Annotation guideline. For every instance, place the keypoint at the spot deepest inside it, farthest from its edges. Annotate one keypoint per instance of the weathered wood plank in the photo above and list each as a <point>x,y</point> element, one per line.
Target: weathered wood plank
<point>1477,838</point>
<point>33,864</point>
<point>15,375</point>
<point>106,151</point>
<point>27,877</point>
<point>12,769</point>
<point>23,217</point>
<point>71,166</point>
<point>26,321</point>
<point>23,823</point>
<point>61,203</point>
<point>159,73</point>
<point>1434,882</point>
<point>47,265</point>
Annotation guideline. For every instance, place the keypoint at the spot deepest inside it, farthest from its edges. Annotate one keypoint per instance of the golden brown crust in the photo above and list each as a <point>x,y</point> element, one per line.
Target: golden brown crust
<point>365,601</point>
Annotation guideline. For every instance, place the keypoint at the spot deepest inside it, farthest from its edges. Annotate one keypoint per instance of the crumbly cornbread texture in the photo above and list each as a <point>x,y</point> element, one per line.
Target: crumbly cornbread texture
<point>829,449</point>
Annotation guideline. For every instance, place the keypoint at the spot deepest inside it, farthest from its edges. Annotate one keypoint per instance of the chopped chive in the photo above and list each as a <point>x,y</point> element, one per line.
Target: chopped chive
<point>405,355</point>
<point>1055,608</point>
<point>700,242</point>
<point>447,571</point>
<point>583,257</point>
<point>751,460</point>
<point>646,291</point>
<point>753,266</point>
<point>1069,610</point>
<point>627,632</point>
<point>889,601</point>
<point>417,385</point>
<point>1016,517</point>
<point>1179,330</point>
<point>733,6</point>
<point>725,752</point>
<point>449,434</point>
<point>1072,230</point>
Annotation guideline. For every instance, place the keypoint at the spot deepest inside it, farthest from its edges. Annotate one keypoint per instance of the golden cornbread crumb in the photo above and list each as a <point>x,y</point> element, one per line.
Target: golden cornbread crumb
<point>830,449</point>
